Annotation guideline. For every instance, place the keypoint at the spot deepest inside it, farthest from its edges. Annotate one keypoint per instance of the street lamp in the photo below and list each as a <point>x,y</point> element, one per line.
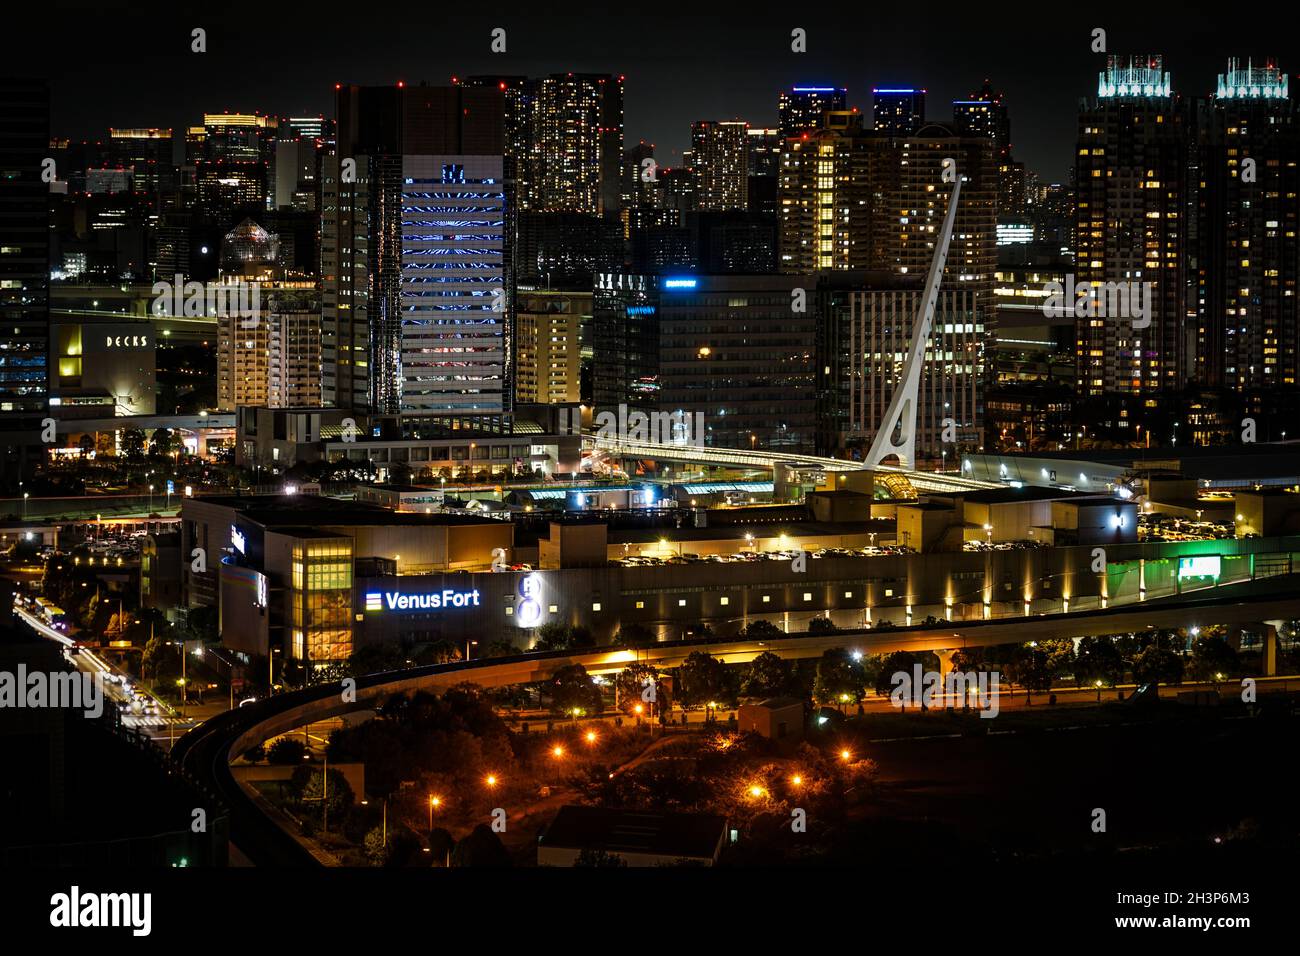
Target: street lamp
<point>433,802</point>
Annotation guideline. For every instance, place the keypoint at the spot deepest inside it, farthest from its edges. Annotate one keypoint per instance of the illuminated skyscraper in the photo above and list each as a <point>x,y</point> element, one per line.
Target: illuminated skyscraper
<point>721,163</point>
<point>577,143</point>
<point>897,112</point>
<point>801,107</point>
<point>1247,313</point>
<point>1133,182</point>
<point>414,255</point>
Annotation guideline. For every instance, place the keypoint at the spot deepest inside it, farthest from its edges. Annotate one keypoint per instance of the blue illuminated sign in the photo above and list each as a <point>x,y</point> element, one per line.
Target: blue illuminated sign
<point>680,283</point>
<point>528,609</point>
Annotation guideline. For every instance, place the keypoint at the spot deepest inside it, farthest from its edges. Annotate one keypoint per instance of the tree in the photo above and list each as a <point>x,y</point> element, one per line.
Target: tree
<point>1060,655</point>
<point>400,474</point>
<point>308,783</point>
<point>1158,665</point>
<point>702,679</point>
<point>822,625</point>
<point>630,635</point>
<point>1212,657</point>
<point>767,676</point>
<point>554,636</point>
<point>286,750</point>
<point>757,629</point>
<point>499,649</point>
<point>481,848</point>
<point>631,683</point>
<point>1098,659</point>
<point>133,443</point>
<point>164,442</point>
<point>840,678</point>
<point>441,843</point>
<point>1030,670</point>
<point>572,689</point>
<point>899,662</point>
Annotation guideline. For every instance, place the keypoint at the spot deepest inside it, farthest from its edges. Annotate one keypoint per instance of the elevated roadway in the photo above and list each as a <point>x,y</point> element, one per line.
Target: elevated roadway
<point>206,751</point>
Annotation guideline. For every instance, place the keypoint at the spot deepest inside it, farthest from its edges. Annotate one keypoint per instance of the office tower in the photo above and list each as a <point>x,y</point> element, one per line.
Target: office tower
<point>801,107</point>
<point>897,112</point>
<point>147,153</point>
<point>564,249</point>
<point>679,187</point>
<point>576,143</point>
<point>301,144</point>
<point>24,250</point>
<point>1132,191</point>
<point>721,163</point>
<point>824,198</point>
<point>1247,253</point>
<point>233,163</point>
<point>864,331</point>
<point>548,333</point>
<point>415,291</point>
<point>734,241</point>
<point>727,348</point>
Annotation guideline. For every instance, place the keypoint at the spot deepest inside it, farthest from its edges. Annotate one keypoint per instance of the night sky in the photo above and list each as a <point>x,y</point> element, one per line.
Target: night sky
<point>113,66</point>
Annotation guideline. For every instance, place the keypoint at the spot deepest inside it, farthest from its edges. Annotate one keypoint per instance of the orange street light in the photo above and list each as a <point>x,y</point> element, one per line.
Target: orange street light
<point>797,780</point>
<point>557,751</point>
<point>591,736</point>
<point>491,780</point>
<point>845,755</point>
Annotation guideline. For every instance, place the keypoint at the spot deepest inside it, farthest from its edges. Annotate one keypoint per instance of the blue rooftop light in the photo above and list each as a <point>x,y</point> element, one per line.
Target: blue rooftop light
<point>814,89</point>
<point>895,91</point>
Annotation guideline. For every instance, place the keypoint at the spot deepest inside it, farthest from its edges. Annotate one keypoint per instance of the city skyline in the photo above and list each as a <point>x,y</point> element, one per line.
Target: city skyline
<point>672,70</point>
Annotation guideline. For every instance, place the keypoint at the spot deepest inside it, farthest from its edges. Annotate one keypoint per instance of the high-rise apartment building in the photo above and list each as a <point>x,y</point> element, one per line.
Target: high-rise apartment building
<point>824,197</point>
<point>801,107</point>
<point>1247,217</point>
<point>548,333</point>
<point>720,153</point>
<point>271,359</point>
<point>1133,199</point>
<point>897,112</point>
<point>576,130</point>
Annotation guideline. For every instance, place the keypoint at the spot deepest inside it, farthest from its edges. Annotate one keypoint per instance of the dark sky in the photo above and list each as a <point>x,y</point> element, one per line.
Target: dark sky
<point>118,64</point>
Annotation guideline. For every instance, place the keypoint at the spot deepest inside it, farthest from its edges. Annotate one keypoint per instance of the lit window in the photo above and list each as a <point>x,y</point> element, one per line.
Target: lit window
<point>596,606</point>
<point>767,599</point>
<point>640,605</point>
<point>724,601</point>
<point>807,596</point>
<point>681,602</point>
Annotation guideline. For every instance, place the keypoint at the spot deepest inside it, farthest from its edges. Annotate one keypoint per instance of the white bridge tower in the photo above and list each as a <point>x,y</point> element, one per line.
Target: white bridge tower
<point>897,432</point>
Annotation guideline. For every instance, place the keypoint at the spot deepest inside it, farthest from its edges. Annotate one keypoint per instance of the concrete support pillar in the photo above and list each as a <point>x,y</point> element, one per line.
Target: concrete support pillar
<point>1270,629</point>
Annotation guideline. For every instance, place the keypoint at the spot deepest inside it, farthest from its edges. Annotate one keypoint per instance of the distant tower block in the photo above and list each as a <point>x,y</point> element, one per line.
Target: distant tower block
<point>897,432</point>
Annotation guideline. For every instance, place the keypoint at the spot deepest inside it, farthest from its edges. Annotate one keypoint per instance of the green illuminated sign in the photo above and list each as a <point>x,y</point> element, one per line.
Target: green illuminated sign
<point>1201,566</point>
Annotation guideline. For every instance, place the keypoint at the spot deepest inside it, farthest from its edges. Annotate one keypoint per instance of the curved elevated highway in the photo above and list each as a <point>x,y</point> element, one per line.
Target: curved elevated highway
<point>206,751</point>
